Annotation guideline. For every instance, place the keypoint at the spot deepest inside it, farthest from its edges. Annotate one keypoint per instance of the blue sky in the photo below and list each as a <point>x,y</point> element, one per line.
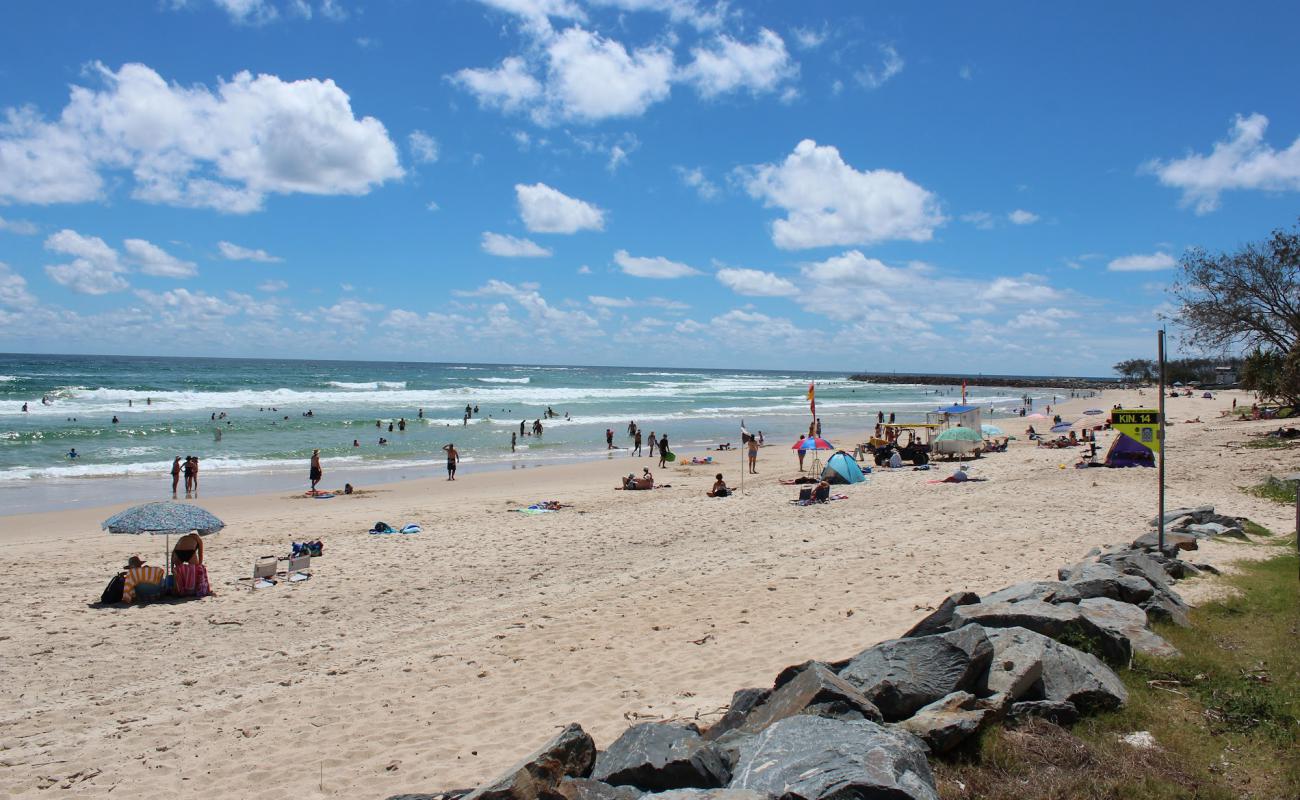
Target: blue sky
<point>946,187</point>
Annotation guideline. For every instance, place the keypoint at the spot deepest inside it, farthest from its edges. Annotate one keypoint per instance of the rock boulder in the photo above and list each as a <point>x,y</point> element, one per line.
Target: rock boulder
<point>816,691</point>
<point>940,620</point>
<point>1063,622</point>
<point>571,753</point>
<point>901,675</point>
<point>948,722</point>
<point>658,756</point>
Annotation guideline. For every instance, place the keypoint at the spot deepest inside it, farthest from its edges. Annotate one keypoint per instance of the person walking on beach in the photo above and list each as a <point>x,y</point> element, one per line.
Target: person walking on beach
<point>663,451</point>
<point>654,443</point>
<point>753,455</point>
<point>609,438</point>
<point>315,473</point>
<point>176,474</point>
<point>453,459</point>
<point>636,443</point>
<point>798,448</point>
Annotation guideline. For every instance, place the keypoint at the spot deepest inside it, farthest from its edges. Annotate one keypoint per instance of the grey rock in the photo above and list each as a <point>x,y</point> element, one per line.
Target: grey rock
<point>1062,622</point>
<point>587,789</point>
<point>1103,580</point>
<point>810,758</point>
<point>947,722</point>
<point>940,620</point>
<point>1016,668</point>
<point>901,675</point>
<point>1196,514</point>
<point>1059,712</point>
<point>791,672</point>
<point>1130,622</point>
<point>709,794</point>
<point>1141,564</point>
<point>570,753</point>
<point>450,794</point>
<point>1068,674</point>
<point>1167,607</point>
<point>816,691</point>
<point>1209,530</point>
<point>1047,591</point>
<point>743,701</point>
<point>657,756</point>
<point>1151,541</point>
<point>1210,568</point>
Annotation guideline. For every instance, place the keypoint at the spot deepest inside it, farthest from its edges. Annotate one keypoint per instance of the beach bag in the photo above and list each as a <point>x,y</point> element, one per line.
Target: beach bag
<point>382,527</point>
<point>113,591</point>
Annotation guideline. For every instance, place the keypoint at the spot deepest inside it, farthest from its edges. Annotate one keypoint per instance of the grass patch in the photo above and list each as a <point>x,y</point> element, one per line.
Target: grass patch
<point>1269,443</point>
<point>1274,489</point>
<point>1225,716</point>
<point>1256,530</point>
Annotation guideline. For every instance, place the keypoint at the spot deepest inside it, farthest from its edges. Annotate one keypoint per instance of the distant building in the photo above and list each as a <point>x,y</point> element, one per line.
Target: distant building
<point>1225,375</point>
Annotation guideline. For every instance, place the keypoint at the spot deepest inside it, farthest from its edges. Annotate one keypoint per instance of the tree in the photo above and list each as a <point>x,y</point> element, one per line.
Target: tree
<point>1243,299</point>
<point>1272,375</point>
<point>1136,369</point>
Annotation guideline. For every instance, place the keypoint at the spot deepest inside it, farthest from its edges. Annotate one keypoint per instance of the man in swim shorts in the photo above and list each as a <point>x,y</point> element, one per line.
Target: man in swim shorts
<point>453,458</point>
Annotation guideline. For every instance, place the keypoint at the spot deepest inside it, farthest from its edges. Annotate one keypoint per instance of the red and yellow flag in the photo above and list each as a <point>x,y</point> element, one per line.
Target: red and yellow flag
<point>812,400</point>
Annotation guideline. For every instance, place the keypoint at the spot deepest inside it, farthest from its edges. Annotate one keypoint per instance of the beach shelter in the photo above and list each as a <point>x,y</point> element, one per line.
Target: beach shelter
<point>1126,451</point>
<point>841,468</point>
<point>957,441</point>
<point>965,416</point>
<point>163,518</point>
<point>813,443</point>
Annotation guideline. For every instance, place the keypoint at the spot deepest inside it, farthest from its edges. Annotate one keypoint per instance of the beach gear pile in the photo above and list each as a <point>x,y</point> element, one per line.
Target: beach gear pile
<point>314,549</point>
<point>383,528</point>
<point>541,507</point>
<point>869,725</point>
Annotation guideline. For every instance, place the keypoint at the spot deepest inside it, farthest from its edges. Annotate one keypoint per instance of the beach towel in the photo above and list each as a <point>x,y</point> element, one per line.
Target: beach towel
<point>816,502</point>
<point>139,577</point>
<point>190,580</point>
<point>535,510</point>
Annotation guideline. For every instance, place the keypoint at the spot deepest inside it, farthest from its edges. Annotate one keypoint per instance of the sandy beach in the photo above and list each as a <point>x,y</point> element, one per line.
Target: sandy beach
<point>426,662</point>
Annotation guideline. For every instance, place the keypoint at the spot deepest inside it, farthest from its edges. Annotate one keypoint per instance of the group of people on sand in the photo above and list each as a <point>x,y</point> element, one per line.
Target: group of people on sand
<point>189,469</point>
<point>141,582</point>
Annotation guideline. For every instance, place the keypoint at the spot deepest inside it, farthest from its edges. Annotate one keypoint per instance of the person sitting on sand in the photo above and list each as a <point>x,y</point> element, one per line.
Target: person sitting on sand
<point>821,492</point>
<point>142,582</point>
<point>895,459</point>
<point>719,487</point>
<point>646,481</point>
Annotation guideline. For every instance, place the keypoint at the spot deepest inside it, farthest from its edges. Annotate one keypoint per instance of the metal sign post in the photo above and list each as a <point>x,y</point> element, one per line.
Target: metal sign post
<point>1160,518</point>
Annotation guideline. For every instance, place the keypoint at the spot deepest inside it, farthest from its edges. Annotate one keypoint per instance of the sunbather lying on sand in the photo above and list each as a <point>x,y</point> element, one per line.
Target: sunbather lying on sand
<point>646,481</point>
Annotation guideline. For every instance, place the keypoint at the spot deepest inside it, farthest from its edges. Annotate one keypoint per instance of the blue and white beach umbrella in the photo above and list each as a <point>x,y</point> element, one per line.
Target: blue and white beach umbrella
<point>163,517</point>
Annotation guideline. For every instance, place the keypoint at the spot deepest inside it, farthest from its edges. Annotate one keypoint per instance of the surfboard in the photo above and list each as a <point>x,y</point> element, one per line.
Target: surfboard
<point>670,456</point>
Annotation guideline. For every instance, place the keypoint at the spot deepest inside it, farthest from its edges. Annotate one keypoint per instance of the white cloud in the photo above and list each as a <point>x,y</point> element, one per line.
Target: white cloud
<point>19,226</point>
<point>875,77</point>
<point>190,146</point>
<point>547,210</point>
<point>590,77</point>
<point>809,39</point>
<point>233,252</point>
<point>965,72</point>
<point>1022,217</point>
<point>95,268</point>
<point>1142,263</point>
<point>424,148</point>
<point>1025,289</point>
<point>729,65</point>
<point>678,11</point>
<point>584,270</point>
<point>632,302</point>
<point>499,244</point>
<point>272,286</point>
<point>249,12</point>
<point>830,203</point>
<point>1244,161</point>
<point>755,283</point>
<point>432,205</point>
<point>545,322</point>
<point>13,289</point>
<point>182,304</point>
<point>508,87</point>
<point>348,314</point>
<point>652,267</point>
<point>153,260</point>
<point>695,178</point>
<point>980,219</point>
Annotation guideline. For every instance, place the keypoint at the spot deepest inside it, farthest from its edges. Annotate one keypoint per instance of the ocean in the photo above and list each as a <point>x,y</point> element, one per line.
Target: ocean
<point>261,437</point>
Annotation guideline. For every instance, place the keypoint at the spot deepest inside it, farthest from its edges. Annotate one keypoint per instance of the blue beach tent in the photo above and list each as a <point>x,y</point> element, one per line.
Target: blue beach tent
<point>1128,452</point>
<point>841,468</point>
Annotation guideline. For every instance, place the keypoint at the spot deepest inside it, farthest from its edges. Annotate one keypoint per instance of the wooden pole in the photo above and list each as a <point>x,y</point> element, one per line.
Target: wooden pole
<point>1160,517</point>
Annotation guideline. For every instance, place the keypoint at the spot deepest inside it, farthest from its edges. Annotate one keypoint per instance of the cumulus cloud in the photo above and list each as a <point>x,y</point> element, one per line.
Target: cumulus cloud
<point>755,283</point>
<point>601,301</point>
<point>873,77</point>
<point>272,286</point>
<point>810,39</point>
<point>1025,289</point>
<point>233,252</point>
<point>694,177</point>
<point>19,226</point>
<point>95,268</point>
<point>500,244</point>
<point>424,148</point>
<point>590,77</point>
<point>153,260</point>
<point>652,267</point>
<point>1045,319</point>
<point>829,202</point>
<point>187,305</point>
<point>728,65</point>
<point>191,146</point>
<point>13,289</point>
<point>547,210</point>
<point>1142,263</point>
<point>1022,217</point>
<point>509,86</point>
<point>544,321</point>
<point>980,219</point>
<point>1244,161</point>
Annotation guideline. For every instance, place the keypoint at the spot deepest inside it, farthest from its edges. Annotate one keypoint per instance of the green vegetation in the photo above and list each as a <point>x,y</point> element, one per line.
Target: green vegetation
<point>1274,489</point>
<point>1225,716</point>
<point>1268,443</point>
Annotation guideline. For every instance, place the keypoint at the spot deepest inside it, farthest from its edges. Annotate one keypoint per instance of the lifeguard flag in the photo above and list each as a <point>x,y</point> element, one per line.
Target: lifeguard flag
<point>812,400</point>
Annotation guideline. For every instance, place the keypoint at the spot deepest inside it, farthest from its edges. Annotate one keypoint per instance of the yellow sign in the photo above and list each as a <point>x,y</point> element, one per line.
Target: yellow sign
<point>1140,424</point>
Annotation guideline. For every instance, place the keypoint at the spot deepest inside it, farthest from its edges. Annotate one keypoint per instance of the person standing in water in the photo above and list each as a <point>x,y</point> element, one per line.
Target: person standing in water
<point>453,459</point>
<point>314,474</point>
<point>176,474</point>
<point>636,443</point>
<point>513,441</point>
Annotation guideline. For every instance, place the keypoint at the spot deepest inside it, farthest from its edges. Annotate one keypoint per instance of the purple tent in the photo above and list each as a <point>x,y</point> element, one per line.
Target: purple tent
<point>1128,452</point>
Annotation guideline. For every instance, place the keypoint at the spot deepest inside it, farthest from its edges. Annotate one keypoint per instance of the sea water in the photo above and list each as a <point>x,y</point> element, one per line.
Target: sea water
<point>263,437</point>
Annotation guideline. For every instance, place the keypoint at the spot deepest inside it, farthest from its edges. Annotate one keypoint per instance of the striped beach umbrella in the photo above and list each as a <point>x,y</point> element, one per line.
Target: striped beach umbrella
<point>812,443</point>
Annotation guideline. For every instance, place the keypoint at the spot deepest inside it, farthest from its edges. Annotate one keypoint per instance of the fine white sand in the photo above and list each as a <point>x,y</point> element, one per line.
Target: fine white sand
<point>418,663</point>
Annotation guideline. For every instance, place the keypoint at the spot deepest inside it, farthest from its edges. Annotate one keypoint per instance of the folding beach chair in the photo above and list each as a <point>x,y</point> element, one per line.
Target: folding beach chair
<point>298,569</point>
<point>264,570</point>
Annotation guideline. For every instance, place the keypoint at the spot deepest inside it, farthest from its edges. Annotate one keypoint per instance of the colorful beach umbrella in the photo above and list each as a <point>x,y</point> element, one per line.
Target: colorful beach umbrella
<point>960,434</point>
<point>1088,423</point>
<point>813,443</point>
<point>165,518</point>
<point>1061,427</point>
